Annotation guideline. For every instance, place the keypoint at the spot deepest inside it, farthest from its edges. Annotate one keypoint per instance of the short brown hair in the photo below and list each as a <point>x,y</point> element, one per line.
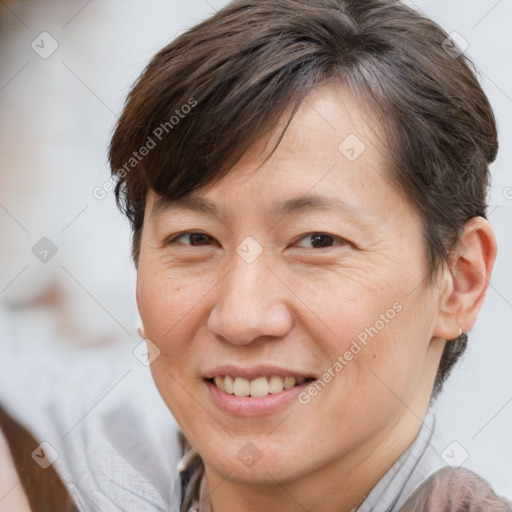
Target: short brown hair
<point>240,70</point>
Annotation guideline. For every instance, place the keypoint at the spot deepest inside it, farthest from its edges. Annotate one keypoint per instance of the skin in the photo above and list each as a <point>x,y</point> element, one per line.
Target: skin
<point>301,305</point>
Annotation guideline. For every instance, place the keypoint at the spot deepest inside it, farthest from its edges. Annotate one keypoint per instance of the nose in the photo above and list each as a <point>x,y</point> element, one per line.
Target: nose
<point>250,303</point>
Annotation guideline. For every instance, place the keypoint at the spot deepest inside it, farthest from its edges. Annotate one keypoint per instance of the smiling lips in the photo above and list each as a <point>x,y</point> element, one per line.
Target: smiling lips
<point>258,387</point>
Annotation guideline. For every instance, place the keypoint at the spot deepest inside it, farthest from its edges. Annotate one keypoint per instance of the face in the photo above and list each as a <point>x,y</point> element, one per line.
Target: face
<point>300,283</point>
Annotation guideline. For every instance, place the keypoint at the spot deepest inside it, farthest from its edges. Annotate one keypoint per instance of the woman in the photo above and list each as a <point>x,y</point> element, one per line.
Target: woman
<point>306,184</point>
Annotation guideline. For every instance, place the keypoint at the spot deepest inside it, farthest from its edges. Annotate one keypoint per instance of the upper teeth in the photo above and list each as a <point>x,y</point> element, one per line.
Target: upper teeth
<point>261,386</point>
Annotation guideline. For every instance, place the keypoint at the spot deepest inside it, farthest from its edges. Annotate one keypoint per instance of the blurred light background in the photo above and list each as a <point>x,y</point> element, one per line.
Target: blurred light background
<point>65,276</point>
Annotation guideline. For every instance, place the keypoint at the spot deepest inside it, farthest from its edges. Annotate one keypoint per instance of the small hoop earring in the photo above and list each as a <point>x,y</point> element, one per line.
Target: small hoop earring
<point>460,332</point>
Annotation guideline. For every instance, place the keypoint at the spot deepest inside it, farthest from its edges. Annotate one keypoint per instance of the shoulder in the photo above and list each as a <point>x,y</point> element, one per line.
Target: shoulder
<point>108,429</point>
<point>456,490</point>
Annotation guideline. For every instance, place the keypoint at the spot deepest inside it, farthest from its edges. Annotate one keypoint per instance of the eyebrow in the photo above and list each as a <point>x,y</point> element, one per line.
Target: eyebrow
<point>289,206</point>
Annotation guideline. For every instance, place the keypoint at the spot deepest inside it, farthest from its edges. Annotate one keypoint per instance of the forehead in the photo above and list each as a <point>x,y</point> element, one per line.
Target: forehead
<point>330,152</point>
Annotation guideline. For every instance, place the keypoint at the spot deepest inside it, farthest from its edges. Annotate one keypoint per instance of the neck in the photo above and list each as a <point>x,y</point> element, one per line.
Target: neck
<point>341,485</point>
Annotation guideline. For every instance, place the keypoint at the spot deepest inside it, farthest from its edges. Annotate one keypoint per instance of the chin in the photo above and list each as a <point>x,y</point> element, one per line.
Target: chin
<point>263,464</point>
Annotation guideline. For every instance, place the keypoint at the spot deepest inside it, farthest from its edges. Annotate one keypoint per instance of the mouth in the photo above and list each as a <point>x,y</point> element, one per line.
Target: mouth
<point>257,387</point>
<point>257,390</point>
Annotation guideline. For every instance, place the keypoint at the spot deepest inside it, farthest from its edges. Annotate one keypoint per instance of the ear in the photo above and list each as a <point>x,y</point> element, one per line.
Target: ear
<point>140,325</point>
<point>140,329</point>
<point>465,281</point>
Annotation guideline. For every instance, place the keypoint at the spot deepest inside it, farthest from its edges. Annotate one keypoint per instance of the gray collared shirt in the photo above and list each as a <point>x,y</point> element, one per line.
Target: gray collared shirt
<point>421,460</point>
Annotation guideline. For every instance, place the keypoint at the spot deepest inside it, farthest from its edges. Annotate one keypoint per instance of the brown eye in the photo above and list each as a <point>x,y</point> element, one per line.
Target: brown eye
<point>193,239</point>
<point>319,240</point>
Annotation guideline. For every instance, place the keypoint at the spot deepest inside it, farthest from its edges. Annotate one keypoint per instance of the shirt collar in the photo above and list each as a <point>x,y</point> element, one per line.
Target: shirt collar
<point>419,462</point>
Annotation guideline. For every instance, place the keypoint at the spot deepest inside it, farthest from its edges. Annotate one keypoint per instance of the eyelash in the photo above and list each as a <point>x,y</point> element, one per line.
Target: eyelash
<point>316,233</point>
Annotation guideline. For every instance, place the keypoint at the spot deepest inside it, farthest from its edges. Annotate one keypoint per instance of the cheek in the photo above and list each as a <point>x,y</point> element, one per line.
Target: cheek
<point>379,336</point>
<point>381,363</point>
<point>169,304</point>
<point>170,308</point>
<point>170,311</point>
